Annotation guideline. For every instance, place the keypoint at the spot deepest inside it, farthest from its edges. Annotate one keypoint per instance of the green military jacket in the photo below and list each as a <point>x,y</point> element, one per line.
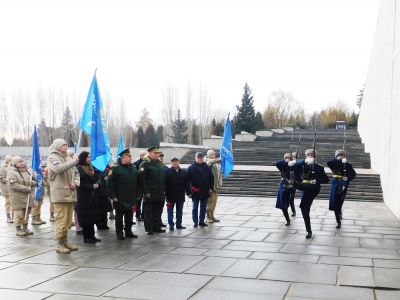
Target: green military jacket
<point>123,184</point>
<point>152,179</point>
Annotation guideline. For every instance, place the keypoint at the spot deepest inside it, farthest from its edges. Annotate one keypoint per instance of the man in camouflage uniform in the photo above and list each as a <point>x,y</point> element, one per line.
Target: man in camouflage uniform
<point>5,188</point>
<point>37,207</point>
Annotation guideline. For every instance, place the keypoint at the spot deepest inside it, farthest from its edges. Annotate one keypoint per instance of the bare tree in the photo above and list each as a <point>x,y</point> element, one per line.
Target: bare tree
<point>169,108</point>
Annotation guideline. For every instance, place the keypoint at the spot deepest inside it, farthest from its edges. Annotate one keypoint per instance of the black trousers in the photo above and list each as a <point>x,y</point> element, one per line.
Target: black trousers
<point>286,214</point>
<point>103,219</point>
<point>159,211</point>
<point>291,202</point>
<point>152,216</point>
<point>121,215</point>
<point>310,192</point>
<point>88,231</point>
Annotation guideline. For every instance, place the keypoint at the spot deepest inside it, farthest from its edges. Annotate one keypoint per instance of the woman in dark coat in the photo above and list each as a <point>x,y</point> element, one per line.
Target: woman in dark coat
<point>88,208</point>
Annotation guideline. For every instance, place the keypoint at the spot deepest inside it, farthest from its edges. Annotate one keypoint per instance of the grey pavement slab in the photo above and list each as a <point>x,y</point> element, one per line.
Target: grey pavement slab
<point>387,295</point>
<point>387,278</point>
<point>227,253</point>
<point>238,289</point>
<point>328,292</point>
<point>253,246</point>
<point>212,266</point>
<point>310,249</point>
<point>300,272</point>
<point>22,295</point>
<point>87,281</point>
<point>155,286</point>
<point>370,253</point>
<point>356,276</point>
<point>246,268</point>
<point>346,261</point>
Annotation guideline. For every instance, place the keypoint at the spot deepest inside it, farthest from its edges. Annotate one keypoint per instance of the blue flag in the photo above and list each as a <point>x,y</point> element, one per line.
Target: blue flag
<point>121,146</point>
<point>93,123</point>
<point>36,166</point>
<point>227,162</point>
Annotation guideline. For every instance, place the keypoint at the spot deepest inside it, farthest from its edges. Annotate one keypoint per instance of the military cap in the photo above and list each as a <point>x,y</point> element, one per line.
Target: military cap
<point>286,155</point>
<point>174,159</point>
<point>199,154</point>
<point>340,152</point>
<point>309,152</point>
<point>125,151</point>
<point>153,148</point>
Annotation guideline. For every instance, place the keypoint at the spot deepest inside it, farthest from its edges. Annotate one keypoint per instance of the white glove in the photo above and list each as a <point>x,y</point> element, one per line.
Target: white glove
<point>344,178</point>
<point>344,160</point>
<point>313,181</point>
<point>291,163</point>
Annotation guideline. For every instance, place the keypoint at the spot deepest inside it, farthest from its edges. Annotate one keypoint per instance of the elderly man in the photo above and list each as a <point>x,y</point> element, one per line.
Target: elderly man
<point>215,166</point>
<point>5,190</point>
<point>140,209</point>
<point>21,191</point>
<point>63,180</point>
<point>201,183</point>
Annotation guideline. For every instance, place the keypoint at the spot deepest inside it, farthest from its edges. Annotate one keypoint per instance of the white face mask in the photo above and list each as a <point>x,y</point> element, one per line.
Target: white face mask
<point>310,160</point>
<point>344,160</point>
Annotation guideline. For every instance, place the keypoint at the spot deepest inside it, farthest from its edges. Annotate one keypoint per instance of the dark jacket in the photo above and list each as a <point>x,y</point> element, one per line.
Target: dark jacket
<point>177,185</point>
<point>152,179</point>
<point>201,180</point>
<point>285,170</point>
<point>342,169</point>
<point>87,207</point>
<point>123,184</point>
<point>104,201</point>
<point>311,172</point>
<point>138,163</point>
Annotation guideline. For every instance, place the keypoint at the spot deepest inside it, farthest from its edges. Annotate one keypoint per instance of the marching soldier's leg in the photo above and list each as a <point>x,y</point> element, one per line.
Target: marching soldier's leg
<point>286,214</point>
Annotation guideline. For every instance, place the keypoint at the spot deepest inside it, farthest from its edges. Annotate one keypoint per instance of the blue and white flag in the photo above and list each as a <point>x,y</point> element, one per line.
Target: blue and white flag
<point>36,166</point>
<point>121,146</point>
<point>227,162</point>
<point>93,123</point>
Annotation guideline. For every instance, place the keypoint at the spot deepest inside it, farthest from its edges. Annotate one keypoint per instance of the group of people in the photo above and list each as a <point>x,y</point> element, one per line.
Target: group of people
<point>82,196</point>
<point>307,176</point>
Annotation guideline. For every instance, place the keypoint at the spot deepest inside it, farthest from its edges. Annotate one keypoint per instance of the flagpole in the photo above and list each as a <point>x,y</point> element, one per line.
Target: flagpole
<point>29,197</point>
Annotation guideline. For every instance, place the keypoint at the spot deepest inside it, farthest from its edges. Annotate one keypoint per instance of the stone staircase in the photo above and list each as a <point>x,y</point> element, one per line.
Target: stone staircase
<point>253,157</point>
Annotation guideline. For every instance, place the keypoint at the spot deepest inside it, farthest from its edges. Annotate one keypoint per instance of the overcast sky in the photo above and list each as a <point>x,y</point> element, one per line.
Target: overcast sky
<point>316,49</point>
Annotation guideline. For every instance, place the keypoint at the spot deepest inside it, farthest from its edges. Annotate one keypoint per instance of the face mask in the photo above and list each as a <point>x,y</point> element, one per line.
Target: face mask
<point>310,160</point>
<point>344,160</point>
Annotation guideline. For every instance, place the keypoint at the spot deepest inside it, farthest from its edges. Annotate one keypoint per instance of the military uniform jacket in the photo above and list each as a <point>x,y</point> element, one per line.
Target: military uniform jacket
<point>152,178</point>
<point>4,182</point>
<point>284,194</point>
<point>62,172</point>
<point>308,172</point>
<point>123,184</point>
<point>19,183</point>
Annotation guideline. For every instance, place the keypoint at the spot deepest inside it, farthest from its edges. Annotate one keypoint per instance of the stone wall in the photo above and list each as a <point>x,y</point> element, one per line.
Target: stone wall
<point>379,122</point>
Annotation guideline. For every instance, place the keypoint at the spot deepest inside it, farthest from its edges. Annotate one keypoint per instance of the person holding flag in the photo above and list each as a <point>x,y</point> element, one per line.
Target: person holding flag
<point>38,174</point>
<point>22,194</point>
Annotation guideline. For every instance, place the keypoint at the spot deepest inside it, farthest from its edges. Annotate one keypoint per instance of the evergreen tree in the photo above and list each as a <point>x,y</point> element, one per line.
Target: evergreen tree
<point>140,143</point>
<point>217,127</point>
<point>160,133</point>
<point>259,123</point>
<point>245,118</point>
<point>3,142</point>
<point>179,130</point>
<point>150,137</point>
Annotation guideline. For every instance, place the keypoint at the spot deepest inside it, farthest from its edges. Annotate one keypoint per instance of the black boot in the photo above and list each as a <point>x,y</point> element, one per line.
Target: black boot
<point>309,235</point>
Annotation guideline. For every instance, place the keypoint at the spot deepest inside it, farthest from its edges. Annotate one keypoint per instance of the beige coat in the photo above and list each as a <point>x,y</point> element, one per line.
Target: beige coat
<point>4,182</point>
<point>19,183</point>
<point>215,165</point>
<point>62,172</point>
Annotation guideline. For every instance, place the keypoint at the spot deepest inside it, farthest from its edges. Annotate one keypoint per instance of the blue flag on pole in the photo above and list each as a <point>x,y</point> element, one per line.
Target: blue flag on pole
<point>227,162</point>
<point>121,146</point>
<point>93,123</point>
<point>36,166</point>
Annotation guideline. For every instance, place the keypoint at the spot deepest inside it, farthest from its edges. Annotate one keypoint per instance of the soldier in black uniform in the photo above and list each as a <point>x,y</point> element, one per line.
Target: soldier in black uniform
<point>343,173</point>
<point>124,189</point>
<point>285,190</point>
<point>152,178</point>
<point>312,175</point>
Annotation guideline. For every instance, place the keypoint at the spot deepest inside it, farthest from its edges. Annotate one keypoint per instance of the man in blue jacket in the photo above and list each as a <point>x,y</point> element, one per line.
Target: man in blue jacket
<point>202,183</point>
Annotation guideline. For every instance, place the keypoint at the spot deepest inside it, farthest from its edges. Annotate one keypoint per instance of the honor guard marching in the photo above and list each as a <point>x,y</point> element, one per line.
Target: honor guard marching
<point>343,173</point>
<point>312,175</point>
<point>285,190</point>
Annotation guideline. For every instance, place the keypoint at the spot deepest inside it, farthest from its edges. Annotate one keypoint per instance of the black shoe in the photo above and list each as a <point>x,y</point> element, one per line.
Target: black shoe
<point>159,230</point>
<point>309,235</point>
<point>293,214</point>
<point>339,225</point>
<point>131,235</point>
<point>287,223</point>
<point>195,225</point>
<point>133,223</point>
<point>120,237</point>
<point>163,225</point>
<point>95,239</point>
<point>103,228</point>
<point>88,241</point>
<point>171,228</point>
<point>203,225</point>
<point>150,232</point>
<point>180,227</point>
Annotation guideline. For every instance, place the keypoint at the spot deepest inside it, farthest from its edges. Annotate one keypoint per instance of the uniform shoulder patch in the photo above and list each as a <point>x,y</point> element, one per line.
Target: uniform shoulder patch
<point>141,169</point>
<point>54,162</point>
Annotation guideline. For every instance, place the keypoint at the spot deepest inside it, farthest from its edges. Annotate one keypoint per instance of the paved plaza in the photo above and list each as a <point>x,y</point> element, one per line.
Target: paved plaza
<point>249,255</point>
